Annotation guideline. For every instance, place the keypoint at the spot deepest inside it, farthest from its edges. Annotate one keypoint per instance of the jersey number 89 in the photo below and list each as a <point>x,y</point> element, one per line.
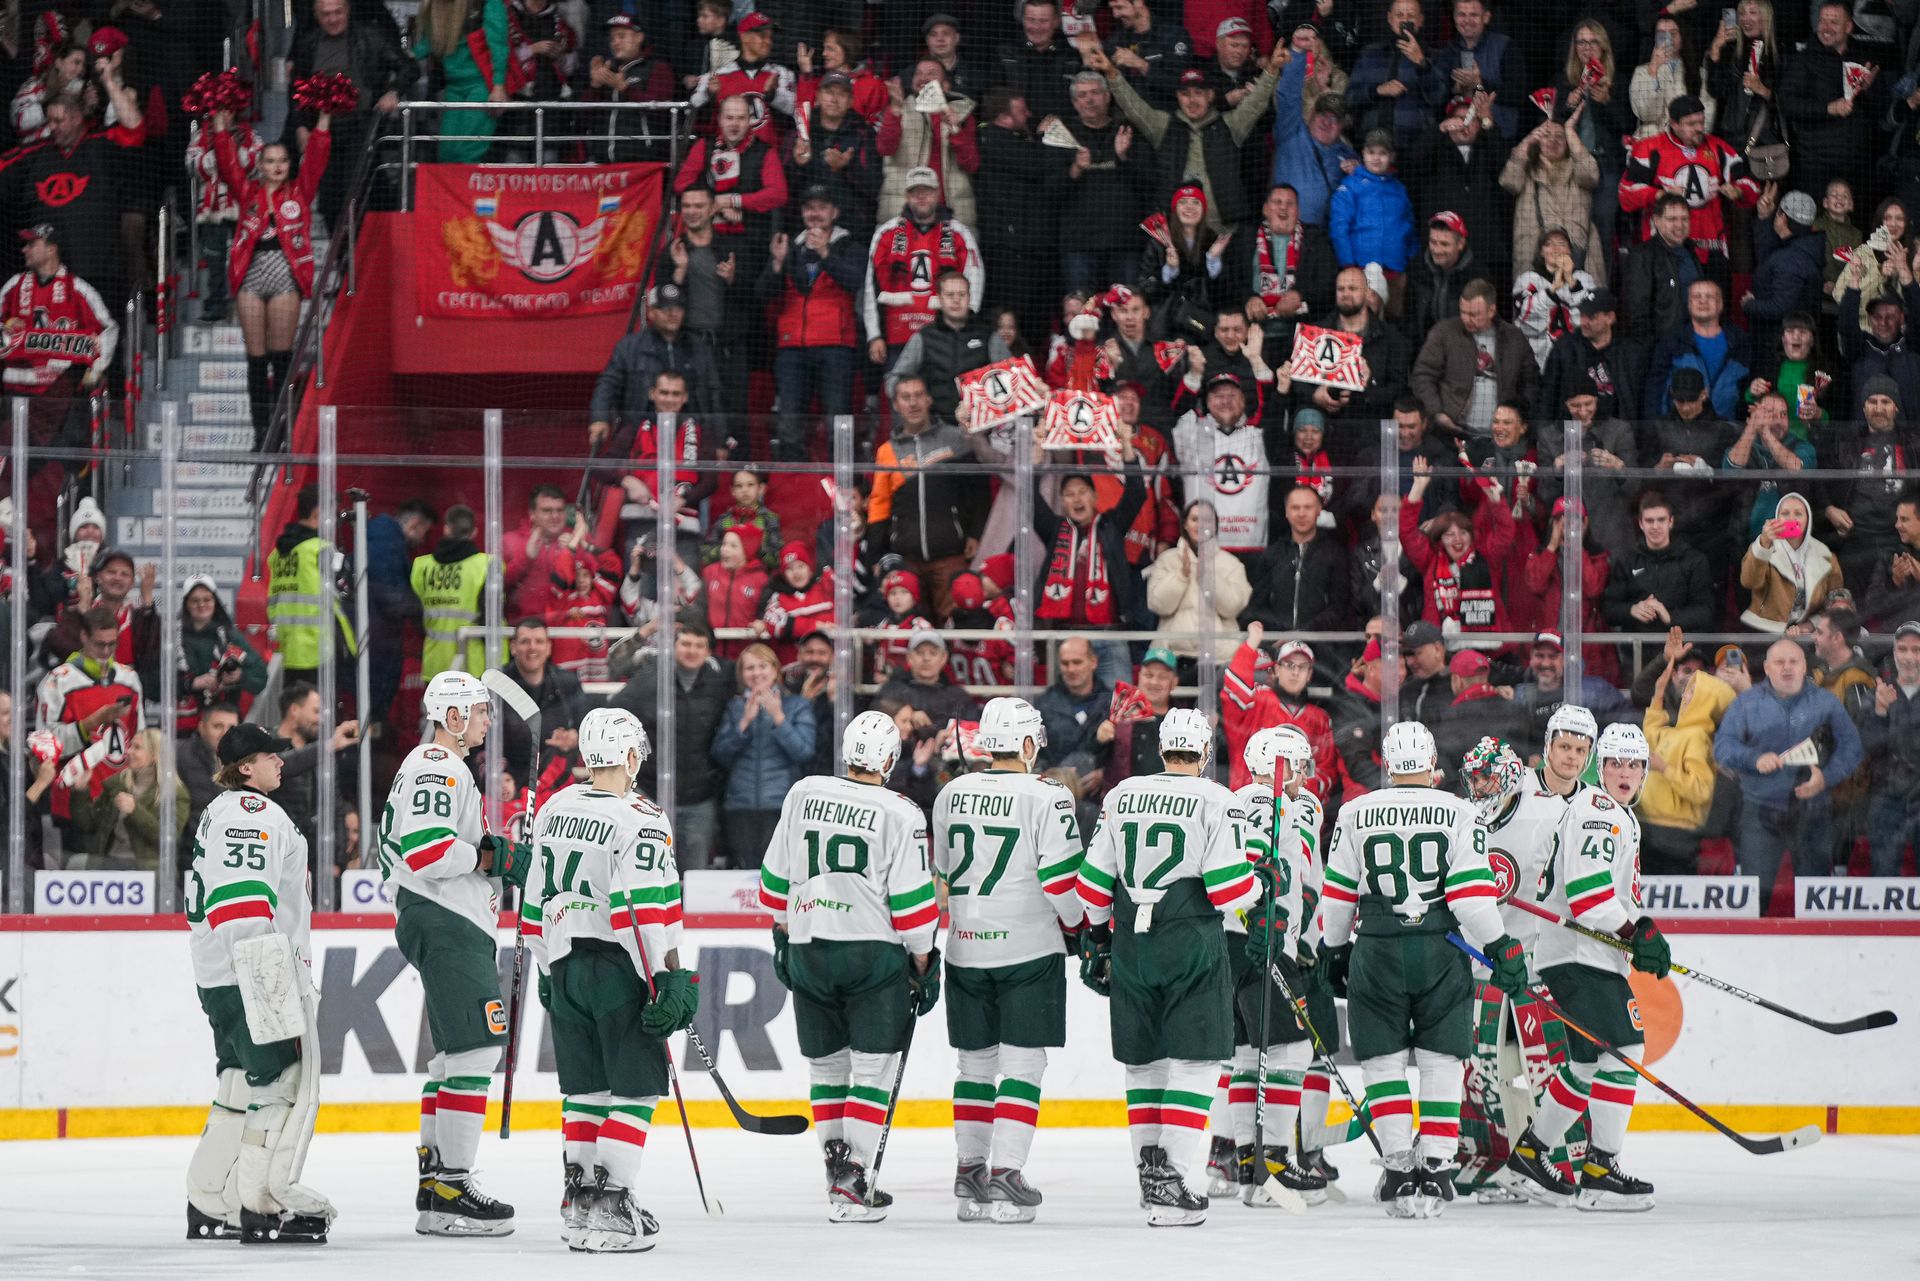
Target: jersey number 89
<point>1386,856</point>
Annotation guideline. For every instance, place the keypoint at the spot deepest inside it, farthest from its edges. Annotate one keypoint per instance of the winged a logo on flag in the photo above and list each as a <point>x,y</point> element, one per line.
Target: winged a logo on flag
<point>1169,355</point>
<point>1328,357</point>
<point>1545,99</point>
<point>1081,420</point>
<point>993,394</point>
<point>547,244</point>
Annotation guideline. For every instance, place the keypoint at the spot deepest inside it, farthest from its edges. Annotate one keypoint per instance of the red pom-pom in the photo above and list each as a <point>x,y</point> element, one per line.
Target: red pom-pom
<point>221,91</point>
<point>328,93</point>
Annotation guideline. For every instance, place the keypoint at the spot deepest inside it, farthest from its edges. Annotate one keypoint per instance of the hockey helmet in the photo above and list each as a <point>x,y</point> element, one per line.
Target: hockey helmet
<point>1571,718</point>
<point>1007,723</point>
<point>1183,729</point>
<point>450,691</point>
<point>1622,742</point>
<point>1262,751</point>
<point>1407,748</point>
<point>608,735</point>
<point>871,742</point>
<point>1492,771</point>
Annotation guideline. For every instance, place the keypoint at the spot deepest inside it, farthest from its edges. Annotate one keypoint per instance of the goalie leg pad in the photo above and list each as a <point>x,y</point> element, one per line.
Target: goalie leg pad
<point>212,1184</point>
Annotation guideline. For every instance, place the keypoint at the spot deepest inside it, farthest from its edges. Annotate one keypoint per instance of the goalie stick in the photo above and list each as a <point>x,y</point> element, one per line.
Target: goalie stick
<point>521,703</point>
<point>1866,1022</point>
<point>1805,1136</point>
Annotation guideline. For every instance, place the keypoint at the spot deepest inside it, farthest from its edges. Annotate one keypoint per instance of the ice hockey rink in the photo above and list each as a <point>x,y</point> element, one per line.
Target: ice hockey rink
<point>114,1208</point>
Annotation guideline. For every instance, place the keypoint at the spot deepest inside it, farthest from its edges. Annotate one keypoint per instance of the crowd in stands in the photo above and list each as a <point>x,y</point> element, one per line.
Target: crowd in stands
<point>1671,242</point>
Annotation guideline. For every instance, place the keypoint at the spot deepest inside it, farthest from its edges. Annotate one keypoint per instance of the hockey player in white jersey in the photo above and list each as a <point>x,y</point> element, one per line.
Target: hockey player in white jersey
<point>438,858</point>
<point>249,914</point>
<point>1268,932</point>
<point>847,880</point>
<point>606,871</point>
<point>1169,856</point>
<point>1593,878</point>
<point>1007,847</point>
<point>1520,832</point>
<point>1410,861</point>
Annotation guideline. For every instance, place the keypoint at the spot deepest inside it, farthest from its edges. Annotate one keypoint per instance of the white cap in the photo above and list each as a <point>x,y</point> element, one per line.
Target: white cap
<point>1408,748</point>
<point>86,512</point>
<point>871,742</point>
<point>922,176</point>
<point>925,636</point>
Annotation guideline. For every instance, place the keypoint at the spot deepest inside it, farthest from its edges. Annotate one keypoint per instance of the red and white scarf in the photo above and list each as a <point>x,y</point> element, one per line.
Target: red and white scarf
<point>1272,283</point>
<point>1070,543</point>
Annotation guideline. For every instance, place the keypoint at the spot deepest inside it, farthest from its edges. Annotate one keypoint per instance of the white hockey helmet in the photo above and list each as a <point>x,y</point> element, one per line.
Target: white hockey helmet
<point>1622,742</point>
<point>608,735</point>
<point>1408,748</point>
<point>1007,723</point>
<point>1571,718</point>
<point>1296,751</point>
<point>871,742</point>
<point>1262,751</point>
<point>1183,729</point>
<point>453,691</point>
<point>1278,743</point>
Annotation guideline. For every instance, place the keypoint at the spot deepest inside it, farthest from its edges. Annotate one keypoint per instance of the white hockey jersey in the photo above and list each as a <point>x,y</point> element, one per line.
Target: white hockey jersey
<point>1159,829</point>
<point>1520,843</point>
<point>1593,876</point>
<point>1289,858</point>
<point>1008,848</point>
<point>430,835</point>
<point>1309,817</point>
<point>848,862</point>
<point>602,864</point>
<point>248,877</point>
<point>1410,849</point>
<point>1237,479</point>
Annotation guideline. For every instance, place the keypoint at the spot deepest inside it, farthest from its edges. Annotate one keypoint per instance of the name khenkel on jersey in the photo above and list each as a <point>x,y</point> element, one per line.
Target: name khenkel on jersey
<point>855,816</point>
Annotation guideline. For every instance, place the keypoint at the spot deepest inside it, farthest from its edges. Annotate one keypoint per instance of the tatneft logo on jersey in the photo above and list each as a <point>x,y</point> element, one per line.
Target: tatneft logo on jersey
<point>832,905</point>
<point>983,936</point>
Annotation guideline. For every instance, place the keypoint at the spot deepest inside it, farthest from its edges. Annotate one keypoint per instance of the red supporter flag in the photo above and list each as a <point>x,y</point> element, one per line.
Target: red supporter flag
<point>1545,99</point>
<point>1169,355</point>
<point>1155,225</point>
<point>992,394</point>
<point>1081,420</point>
<point>1855,77</point>
<point>1129,704</point>
<point>1327,356</point>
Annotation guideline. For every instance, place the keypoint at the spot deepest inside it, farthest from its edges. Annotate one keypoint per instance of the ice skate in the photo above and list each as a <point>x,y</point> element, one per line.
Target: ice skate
<point>1495,1193</point>
<point>616,1225</point>
<point>460,1209</point>
<point>1317,1163</point>
<point>851,1199</point>
<point>576,1204</point>
<point>1287,1186</point>
<point>1399,1185</point>
<point>1604,1187</point>
<point>1434,1189</point>
<point>1223,1173</point>
<point>970,1190</point>
<point>1014,1199</point>
<point>282,1228</point>
<point>202,1226</point>
<point>1170,1202</point>
<point>429,1170</point>
<point>1529,1173</point>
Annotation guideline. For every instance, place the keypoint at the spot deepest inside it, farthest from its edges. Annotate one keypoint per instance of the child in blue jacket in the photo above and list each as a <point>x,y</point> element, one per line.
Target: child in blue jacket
<point>1372,219</point>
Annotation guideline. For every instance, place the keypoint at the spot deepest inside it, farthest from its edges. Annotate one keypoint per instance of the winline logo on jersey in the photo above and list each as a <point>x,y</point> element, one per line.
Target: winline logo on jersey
<point>526,243</point>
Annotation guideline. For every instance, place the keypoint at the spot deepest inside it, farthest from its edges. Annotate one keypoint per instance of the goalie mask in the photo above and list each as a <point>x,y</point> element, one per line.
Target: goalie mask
<point>1493,773</point>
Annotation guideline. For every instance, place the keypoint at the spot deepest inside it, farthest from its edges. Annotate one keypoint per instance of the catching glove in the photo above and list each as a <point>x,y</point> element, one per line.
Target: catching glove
<point>676,997</point>
<point>1096,958</point>
<point>1651,955</point>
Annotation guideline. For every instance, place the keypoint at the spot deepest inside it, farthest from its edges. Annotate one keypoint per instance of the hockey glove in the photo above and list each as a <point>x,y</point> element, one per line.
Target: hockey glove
<point>1096,958</point>
<point>780,969</point>
<point>925,988</point>
<point>1651,955</point>
<point>545,987</point>
<point>1330,971</point>
<point>1071,935</point>
<point>509,861</point>
<point>1266,928</point>
<point>1509,964</point>
<point>676,997</point>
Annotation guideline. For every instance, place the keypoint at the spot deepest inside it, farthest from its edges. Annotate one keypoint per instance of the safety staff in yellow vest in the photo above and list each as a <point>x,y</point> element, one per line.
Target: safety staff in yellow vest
<point>297,597</point>
<point>451,582</point>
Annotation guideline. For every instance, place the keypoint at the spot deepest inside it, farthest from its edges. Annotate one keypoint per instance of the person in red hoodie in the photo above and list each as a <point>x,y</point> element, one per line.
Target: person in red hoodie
<point>584,595</point>
<point>800,604</point>
<point>1462,560</point>
<point>1257,693</point>
<point>1542,577</point>
<point>736,584</point>
<point>978,662</point>
<point>901,589</point>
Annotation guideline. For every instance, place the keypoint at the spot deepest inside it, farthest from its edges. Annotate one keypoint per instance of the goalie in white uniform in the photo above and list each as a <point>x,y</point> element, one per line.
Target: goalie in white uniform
<point>249,914</point>
<point>1007,846</point>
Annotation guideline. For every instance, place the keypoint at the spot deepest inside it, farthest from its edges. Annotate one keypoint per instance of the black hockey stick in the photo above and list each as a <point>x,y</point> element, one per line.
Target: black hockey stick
<point>784,1123</point>
<point>1299,1004</point>
<point>508,691</point>
<point>1260,1171</point>
<point>893,1101</point>
<point>1866,1022</point>
<point>1805,1136</point>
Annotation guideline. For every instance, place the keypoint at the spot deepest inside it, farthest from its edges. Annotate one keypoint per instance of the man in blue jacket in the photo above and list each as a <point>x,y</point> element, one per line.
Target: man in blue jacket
<point>1312,158</point>
<point>1396,84</point>
<point>1782,805</point>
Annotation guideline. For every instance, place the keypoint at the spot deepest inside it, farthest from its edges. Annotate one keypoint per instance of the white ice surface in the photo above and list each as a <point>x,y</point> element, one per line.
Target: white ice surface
<point>1841,1210</point>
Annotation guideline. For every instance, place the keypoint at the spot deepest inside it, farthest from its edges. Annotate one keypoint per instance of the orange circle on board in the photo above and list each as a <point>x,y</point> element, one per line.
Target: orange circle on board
<point>1660,1012</point>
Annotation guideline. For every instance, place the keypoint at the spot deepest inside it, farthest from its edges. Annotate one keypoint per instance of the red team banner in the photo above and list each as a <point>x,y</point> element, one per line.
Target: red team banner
<point>520,242</point>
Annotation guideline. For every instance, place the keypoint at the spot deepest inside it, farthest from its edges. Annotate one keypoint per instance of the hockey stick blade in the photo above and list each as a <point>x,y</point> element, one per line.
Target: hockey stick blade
<point>1865,1023</point>
<point>509,692</point>
<point>784,1123</point>
<point>1805,1136</point>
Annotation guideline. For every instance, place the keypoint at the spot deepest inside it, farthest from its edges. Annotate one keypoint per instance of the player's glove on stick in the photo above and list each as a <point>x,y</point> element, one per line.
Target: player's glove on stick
<point>545,987</point>
<point>1265,923</point>
<point>925,988</point>
<point>1096,958</point>
<point>780,970</point>
<point>1651,955</point>
<point>1330,972</point>
<point>676,997</point>
<point>1509,964</point>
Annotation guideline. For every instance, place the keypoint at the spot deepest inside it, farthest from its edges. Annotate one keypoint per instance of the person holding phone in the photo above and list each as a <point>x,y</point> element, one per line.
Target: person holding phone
<point>1667,74</point>
<point>1789,572</point>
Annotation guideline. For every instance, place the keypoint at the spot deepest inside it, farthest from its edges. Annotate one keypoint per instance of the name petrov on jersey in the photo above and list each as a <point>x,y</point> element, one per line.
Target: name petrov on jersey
<point>1157,803</point>
<point>981,804</point>
<point>841,814</point>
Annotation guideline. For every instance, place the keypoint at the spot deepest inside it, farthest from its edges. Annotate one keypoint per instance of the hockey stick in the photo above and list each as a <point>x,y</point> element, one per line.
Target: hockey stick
<point>1805,1136</point>
<point>713,1208</point>
<point>1866,1022</point>
<point>522,705</point>
<point>893,1101</point>
<point>1299,1004</point>
<point>784,1123</point>
<point>1260,1171</point>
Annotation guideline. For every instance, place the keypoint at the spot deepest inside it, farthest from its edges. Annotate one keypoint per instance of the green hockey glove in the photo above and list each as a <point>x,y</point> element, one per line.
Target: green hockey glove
<point>511,861</point>
<point>1651,955</point>
<point>1096,958</point>
<point>925,988</point>
<point>1330,971</point>
<point>545,988</point>
<point>1266,928</point>
<point>676,997</point>
<point>780,968</point>
<point>1509,964</point>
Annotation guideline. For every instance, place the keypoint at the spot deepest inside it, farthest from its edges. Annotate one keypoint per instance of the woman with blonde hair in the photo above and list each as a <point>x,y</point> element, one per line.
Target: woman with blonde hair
<point>765,743</point>
<point>1668,73</point>
<point>453,36</point>
<point>121,826</point>
<point>1741,70</point>
<point>1598,112</point>
<point>1789,571</point>
<point>1552,177</point>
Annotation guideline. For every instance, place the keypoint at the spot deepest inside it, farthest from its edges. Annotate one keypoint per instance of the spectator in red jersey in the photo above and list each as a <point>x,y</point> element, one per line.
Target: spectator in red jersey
<point>762,85</point>
<point>840,52</point>
<point>584,595</point>
<point>909,254</point>
<point>736,584</point>
<point>978,662</point>
<point>1462,558</point>
<point>800,603</point>
<point>1257,692</point>
<point>743,169</point>
<point>901,591</point>
<point>532,550</point>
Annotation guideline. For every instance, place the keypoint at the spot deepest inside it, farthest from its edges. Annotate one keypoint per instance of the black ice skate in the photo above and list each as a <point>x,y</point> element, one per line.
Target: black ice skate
<point>1317,1162</point>
<point>1224,1177</point>
<point>458,1208</point>
<point>1604,1187</point>
<point>835,1153</point>
<point>1435,1188</point>
<point>202,1226</point>
<point>577,1196</point>
<point>1288,1186</point>
<point>429,1171</point>
<point>1014,1199</point>
<point>1399,1185</point>
<point>970,1190</point>
<point>282,1228</point>
<point>1170,1202</point>
<point>616,1225</point>
<point>1529,1172</point>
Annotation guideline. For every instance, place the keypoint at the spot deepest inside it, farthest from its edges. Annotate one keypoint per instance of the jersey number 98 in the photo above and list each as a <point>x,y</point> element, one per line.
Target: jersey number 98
<point>429,801</point>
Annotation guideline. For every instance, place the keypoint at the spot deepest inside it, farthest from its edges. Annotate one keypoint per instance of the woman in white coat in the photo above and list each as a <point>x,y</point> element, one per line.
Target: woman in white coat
<point>1174,582</point>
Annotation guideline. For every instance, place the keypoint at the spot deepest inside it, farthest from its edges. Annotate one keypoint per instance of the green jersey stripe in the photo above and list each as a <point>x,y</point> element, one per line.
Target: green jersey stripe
<point>242,889</point>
